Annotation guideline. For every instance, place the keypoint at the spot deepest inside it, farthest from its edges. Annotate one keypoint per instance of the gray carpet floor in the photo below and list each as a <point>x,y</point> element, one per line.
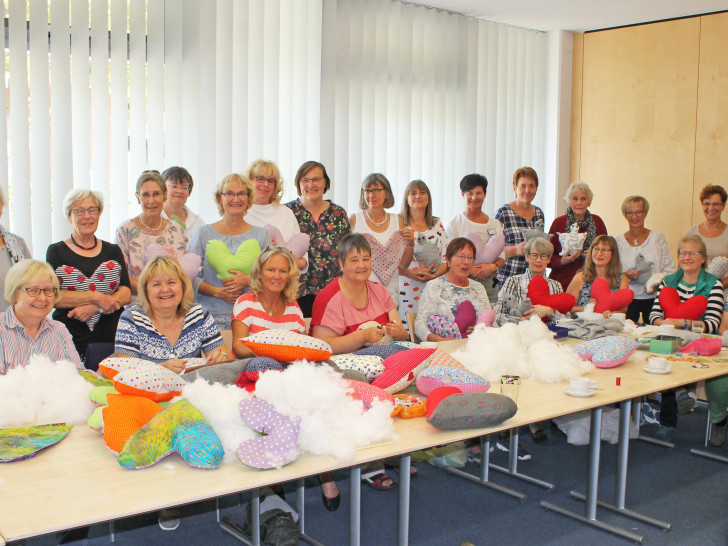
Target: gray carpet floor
<point>689,492</point>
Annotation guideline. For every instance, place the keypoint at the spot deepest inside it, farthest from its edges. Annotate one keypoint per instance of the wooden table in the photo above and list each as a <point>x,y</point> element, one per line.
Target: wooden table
<point>78,482</point>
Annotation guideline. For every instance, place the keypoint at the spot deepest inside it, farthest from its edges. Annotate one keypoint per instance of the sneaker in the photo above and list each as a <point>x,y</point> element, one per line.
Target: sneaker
<point>650,413</point>
<point>523,454</point>
<point>665,433</point>
<point>717,433</point>
<point>169,519</point>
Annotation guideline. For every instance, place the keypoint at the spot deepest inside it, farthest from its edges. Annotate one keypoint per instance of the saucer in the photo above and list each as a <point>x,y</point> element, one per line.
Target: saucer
<point>579,394</point>
<point>649,369</point>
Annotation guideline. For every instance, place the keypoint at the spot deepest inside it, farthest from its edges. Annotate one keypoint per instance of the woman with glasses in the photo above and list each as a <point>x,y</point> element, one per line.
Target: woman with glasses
<point>444,295</point>
<point>267,209</point>
<point>602,262</point>
<point>133,236</point>
<point>713,229</point>
<point>12,250</point>
<point>179,187</point>
<point>380,226</point>
<point>94,283</point>
<point>234,196</point>
<point>537,252</point>
<point>578,198</point>
<point>31,289</point>
<point>325,222</point>
<point>642,252</point>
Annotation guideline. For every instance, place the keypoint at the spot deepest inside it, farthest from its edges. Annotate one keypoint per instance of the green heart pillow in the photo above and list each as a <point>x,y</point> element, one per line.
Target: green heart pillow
<point>221,259</point>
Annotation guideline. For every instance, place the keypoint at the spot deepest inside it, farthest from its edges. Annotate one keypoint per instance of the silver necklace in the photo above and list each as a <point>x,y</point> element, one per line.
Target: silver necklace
<point>151,228</point>
<point>386,217</point>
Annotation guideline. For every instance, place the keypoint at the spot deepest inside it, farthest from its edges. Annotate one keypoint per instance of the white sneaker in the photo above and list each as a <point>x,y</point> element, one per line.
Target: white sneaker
<point>169,519</point>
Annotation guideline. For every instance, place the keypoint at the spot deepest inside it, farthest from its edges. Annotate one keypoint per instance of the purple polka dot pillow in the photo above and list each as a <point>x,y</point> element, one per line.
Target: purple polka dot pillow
<point>279,444</point>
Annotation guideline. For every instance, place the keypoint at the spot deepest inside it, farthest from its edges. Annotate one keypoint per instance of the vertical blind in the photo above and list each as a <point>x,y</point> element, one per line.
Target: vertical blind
<point>99,90</point>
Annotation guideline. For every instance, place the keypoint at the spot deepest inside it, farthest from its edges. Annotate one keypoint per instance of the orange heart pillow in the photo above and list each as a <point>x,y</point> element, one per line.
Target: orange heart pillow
<point>691,309</point>
<point>538,293</point>
<point>608,300</point>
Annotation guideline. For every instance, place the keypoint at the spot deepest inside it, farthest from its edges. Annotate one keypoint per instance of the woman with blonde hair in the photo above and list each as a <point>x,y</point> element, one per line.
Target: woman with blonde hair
<point>234,196</point>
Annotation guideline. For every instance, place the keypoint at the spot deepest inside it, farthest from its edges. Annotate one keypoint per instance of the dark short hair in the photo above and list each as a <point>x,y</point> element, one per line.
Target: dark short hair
<point>303,169</point>
<point>456,245</point>
<point>179,175</point>
<point>472,181</point>
<point>350,243</point>
<point>712,189</point>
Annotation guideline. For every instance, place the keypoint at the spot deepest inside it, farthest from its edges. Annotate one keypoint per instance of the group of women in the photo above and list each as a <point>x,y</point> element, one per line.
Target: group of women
<point>358,280</point>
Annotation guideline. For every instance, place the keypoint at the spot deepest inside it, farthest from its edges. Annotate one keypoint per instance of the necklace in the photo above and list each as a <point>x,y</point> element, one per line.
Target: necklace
<point>638,237</point>
<point>96,242</point>
<point>151,228</point>
<point>380,224</point>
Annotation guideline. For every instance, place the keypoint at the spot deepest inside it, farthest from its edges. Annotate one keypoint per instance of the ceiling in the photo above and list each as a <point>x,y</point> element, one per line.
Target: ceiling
<point>576,15</point>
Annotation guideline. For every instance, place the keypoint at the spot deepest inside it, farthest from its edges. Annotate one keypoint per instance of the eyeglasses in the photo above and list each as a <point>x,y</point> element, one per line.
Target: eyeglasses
<point>535,256</point>
<point>35,292</point>
<point>263,179</point>
<point>715,204</point>
<point>316,180</point>
<point>374,191</point>
<point>634,213</point>
<point>153,195</point>
<point>686,253</point>
<point>173,186</point>
<point>93,211</point>
<point>238,194</point>
<point>600,250</point>
<point>465,257</point>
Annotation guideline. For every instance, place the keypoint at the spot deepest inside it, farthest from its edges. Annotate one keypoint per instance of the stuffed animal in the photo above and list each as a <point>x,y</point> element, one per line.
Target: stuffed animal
<point>572,240</point>
<point>537,231</point>
<point>426,252</point>
<point>644,267</point>
<point>653,282</point>
<point>386,339</point>
<point>512,307</point>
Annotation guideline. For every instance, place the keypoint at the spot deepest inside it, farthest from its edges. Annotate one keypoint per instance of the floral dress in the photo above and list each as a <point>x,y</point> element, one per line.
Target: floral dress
<point>133,242</point>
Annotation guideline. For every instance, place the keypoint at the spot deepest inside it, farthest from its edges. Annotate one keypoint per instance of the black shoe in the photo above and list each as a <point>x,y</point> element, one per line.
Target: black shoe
<point>331,503</point>
<point>539,436</point>
<point>717,433</point>
<point>556,431</point>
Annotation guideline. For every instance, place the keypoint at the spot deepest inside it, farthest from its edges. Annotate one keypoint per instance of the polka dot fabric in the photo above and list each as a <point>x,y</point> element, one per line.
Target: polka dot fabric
<point>114,364</point>
<point>402,368</point>
<point>149,380</point>
<point>287,346</point>
<point>607,352</point>
<point>260,364</point>
<point>371,366</point>
<point>279,446</point>
<point>381,351</point>
<point>450,376</point>
<point>441,358</point>
<point>367,393</point>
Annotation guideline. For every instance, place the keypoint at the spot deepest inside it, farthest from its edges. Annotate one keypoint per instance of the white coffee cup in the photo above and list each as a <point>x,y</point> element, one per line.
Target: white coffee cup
<point>657,363</point>
<point>619,316</point>
<point>667,328</point>
<point>582,384</point>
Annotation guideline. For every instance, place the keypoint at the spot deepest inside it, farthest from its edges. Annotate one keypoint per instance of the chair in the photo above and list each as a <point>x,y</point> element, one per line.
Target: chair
<point>411,317</point>
<point>95,353</point>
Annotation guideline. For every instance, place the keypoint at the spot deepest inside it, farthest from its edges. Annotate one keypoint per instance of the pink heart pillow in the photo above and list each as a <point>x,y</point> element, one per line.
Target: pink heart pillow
<point>606,300</point>
<point>487,253</point>
<point>386,258</point>
<point>298,243</point>
<point>487,316</point>
<point>691,309</point>
<point>190,262</point>
<point>538,293</point>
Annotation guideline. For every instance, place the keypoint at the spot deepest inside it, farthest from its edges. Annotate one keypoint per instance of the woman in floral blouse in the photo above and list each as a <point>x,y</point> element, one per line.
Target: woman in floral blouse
<point>325,222</point>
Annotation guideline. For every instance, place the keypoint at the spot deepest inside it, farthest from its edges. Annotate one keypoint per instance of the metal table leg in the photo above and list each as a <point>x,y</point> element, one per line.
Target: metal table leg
<point>404,499</point>
<point>301,509</point>
<point>355,506</point>
<point>512,469</point>
<point>232,528</point>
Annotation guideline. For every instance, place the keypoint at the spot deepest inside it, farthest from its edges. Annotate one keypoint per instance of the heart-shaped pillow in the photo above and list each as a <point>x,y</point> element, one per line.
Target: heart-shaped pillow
<point>486,316</point>
<point>572,240</point>
<point>607,352</point>
<point>718,267</point>
<point>221,259</point>
<point>705,346</point>
<point>123,416</point>
<point>437,396</point>
<point>366,393</point>
<point>486,253</point>
<point>189,261</point>
<point>465,317</point>
<point>442,326</point>
<point>369,365</point>
<point>298,243</point>
<point>434,377</point>
<point>21,443</point>
<point>538,293</point>
<point>402,368</point>
<point>142,378</point>
<point>256,366</point>
<point>692,308</point>
<point>606,300</point>
<point>279,444</point>
<point>386,258</point>
<point>179,428</point>
<point>105,279</point>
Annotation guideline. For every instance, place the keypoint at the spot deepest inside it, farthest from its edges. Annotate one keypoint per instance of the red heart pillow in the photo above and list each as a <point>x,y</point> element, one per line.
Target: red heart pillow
<point>538,293</point>
<point>691,309</point>
<point>607,300</point>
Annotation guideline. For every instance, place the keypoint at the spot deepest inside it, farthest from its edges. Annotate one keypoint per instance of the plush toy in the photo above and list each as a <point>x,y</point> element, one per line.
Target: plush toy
<point>386,338</point>
<point>537,231</point>
<point>278,444</point>
<point>691,309</point>
<point>718,267</point>
<point>222,260</point>
<point>189,261</point>
<point>105,279</point>
<point>644,267</point>
<point>572,240</point>
<point>386,258</point>
<point>653,282</point>
<point>513,307</point>
<point>486,253</point>
<point>427,253</point>
<point>538,293</point>
<point>606,300</point>
<point>298,243</point>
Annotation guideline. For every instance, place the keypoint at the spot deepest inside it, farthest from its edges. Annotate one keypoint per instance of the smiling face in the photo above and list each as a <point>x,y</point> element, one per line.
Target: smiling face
<point>357,266</point>
<point>265,186</point>
<point>690,262</point>
<point>635,214</point>
<point>579,202</point>
<point>34,308</point>
<point>274,274</point>
<point>151,198</point>
<point>374,196</point>
<point>164,292</point>
<point>537,261</point>
<point>713,207</point>
<point>234,200</point>
<point>87,223</point>
<point>525,189</point>
<point>417,199</point>
<point>312,185</point>
<point>177,192</point>
<point>474,199</point>
<point>602,254</point>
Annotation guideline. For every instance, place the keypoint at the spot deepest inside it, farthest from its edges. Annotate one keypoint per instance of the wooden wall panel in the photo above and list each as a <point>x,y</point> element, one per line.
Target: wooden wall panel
<point>638,122</point>
<point>577,65</point>
<point>711,141</point>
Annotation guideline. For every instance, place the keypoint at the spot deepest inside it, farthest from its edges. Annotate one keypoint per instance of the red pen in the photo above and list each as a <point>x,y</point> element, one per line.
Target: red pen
<point>619,381</point>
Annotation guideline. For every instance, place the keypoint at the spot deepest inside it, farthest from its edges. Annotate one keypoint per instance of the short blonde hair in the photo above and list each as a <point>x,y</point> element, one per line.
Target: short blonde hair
<point>635,199</point>
<point>228,181</point>
<point>169,266</point>
<point>154,176</point>
<point>574,186</point>
<point>264,165</point>
<point>696,240</point>
<point>79,194</point>
<point>27,271</point>
<point>290,291</point>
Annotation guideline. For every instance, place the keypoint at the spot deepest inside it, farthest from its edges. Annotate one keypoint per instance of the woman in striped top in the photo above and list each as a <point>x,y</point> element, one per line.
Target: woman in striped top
<point>271,303</point>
